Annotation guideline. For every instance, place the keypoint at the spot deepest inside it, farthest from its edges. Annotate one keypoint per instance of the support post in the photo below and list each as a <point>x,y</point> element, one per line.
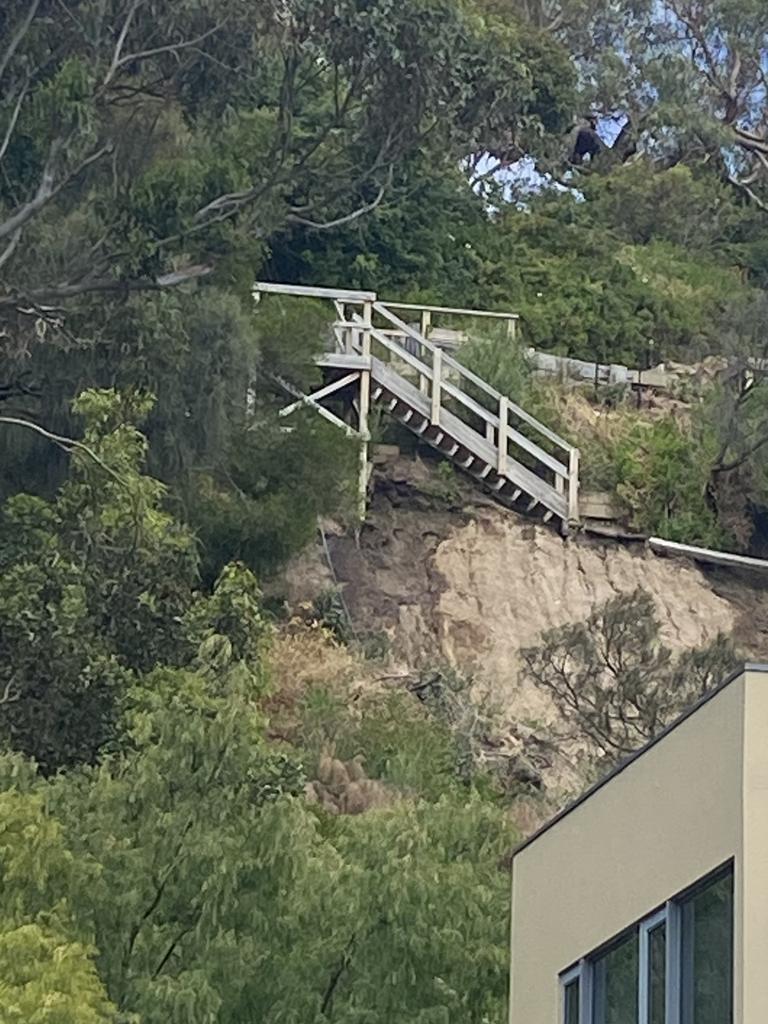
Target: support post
<point>437,377</point>
<point>501,464</point>
<point>424,326</point>
<point>365,405</point>
<point>426,323</point>
<point>573,486</point>
<point>366,331</point>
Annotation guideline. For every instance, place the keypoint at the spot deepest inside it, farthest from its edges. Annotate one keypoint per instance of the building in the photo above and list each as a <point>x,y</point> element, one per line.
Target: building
<point>646,901</point>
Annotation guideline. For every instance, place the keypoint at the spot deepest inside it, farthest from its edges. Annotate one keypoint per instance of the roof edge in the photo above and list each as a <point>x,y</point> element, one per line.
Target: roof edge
<point>748,666</point>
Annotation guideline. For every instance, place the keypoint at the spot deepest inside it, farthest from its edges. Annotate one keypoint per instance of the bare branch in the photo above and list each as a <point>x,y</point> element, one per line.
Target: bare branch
<point>72,289</point>
<point>8,697</point>
<point>347,219</point>
<point>10,248</point>
<point>115,62</point>
<point>12,123</point>
<point>744,187</point>
<point>169,48</point>
<point>69,444</point>
<point>46,189</point>
<point>751,142</point>
<point>18,36</point>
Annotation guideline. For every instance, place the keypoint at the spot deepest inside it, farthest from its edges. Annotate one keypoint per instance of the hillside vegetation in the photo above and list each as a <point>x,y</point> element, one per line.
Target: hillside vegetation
<point>207,813</point>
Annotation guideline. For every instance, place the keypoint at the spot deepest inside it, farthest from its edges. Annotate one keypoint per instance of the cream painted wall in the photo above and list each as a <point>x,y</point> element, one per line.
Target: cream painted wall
<point>666,820</point>
<point>752,956</point>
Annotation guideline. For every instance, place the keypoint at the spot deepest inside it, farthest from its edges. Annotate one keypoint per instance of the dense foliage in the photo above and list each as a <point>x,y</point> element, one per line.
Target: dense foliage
<point>175,869</point>
<point>180,838</point>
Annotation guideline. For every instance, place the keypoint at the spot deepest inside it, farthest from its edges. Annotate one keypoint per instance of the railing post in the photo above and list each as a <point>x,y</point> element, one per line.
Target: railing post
<point>573,486</point>
<point>365,405</point>
<point>366,331</point>
<point>426,323</point>
<point>501,463</point>
<point>437,378</point>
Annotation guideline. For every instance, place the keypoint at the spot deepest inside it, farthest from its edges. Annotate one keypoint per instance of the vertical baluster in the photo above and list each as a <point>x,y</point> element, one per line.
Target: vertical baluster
<point>437,378</point>
<point>365,404</point>
<point>501,465</point>
<point>573,486</point>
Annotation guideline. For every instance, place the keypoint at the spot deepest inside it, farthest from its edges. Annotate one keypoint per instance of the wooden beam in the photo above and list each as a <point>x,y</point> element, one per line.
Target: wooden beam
<point>329,389</point>
<point>668,547</point>
<point>456,311</point>
<point>334,294</point>
<point>503,434</point>
<point>437,378</point>
<point>574,457</point>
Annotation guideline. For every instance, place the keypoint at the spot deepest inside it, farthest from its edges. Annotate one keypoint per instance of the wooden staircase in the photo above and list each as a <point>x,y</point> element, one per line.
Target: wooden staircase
<point>392,365</point>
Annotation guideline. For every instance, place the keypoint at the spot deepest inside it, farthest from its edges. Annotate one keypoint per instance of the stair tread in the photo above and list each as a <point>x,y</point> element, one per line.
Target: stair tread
<point>469,439</point>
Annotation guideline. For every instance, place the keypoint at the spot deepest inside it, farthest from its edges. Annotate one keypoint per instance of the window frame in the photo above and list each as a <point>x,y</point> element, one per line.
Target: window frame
<point>670,916</point>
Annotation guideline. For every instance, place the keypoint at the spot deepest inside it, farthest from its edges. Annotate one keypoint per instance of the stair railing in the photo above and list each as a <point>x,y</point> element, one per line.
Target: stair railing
<point>501,429</point>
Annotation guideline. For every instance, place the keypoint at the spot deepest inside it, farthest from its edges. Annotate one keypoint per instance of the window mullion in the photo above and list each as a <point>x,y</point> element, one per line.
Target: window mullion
<point>674,945</point>
<point>586,991</point>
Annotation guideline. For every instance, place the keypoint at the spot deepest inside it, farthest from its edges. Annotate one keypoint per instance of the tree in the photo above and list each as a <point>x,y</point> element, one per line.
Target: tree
<point>96,587</point>
<point>48,973</point>
<point>210,887</point>
<point>614,684</point>
<point>152,155</point>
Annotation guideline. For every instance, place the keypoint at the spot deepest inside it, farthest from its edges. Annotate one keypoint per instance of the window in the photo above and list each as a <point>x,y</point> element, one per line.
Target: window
<point>706,977</point>
<point>656,975</point>
<point>674,967</point>
<point>571,999</point>
<point>614,984</point>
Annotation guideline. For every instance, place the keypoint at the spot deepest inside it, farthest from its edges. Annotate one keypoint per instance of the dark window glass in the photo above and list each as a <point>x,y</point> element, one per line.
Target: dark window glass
<point>572,1002</point>
<point>657,974</point>
<point>615,981</point>
<point>707,960</point>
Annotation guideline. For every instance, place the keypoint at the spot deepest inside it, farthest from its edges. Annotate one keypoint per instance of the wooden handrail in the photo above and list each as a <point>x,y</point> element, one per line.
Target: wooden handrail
<point>558,468</point>
<point>529,446</point>
<point>450,309</point>
<point>310,292</point>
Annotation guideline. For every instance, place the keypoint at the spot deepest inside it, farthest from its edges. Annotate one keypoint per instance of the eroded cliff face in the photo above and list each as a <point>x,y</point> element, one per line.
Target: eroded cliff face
<point>469,584</point>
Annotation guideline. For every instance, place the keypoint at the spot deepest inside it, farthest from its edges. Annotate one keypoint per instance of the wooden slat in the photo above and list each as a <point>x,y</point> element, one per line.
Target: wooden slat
<point>403,327</point>
<point>478,381</point>
<point>315,397</point>
<point>669,547</point>
<point>452,309</point>
<point>343,361</point>
<point>514,435</point>
<point>305,291</point>
<point>469,439</point>
<point>402,353</point>
<point>513,407</point>
<point>516,472</point>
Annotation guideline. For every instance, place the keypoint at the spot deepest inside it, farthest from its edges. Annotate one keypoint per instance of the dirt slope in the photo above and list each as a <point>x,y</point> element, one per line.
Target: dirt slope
<point>469,585</point>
